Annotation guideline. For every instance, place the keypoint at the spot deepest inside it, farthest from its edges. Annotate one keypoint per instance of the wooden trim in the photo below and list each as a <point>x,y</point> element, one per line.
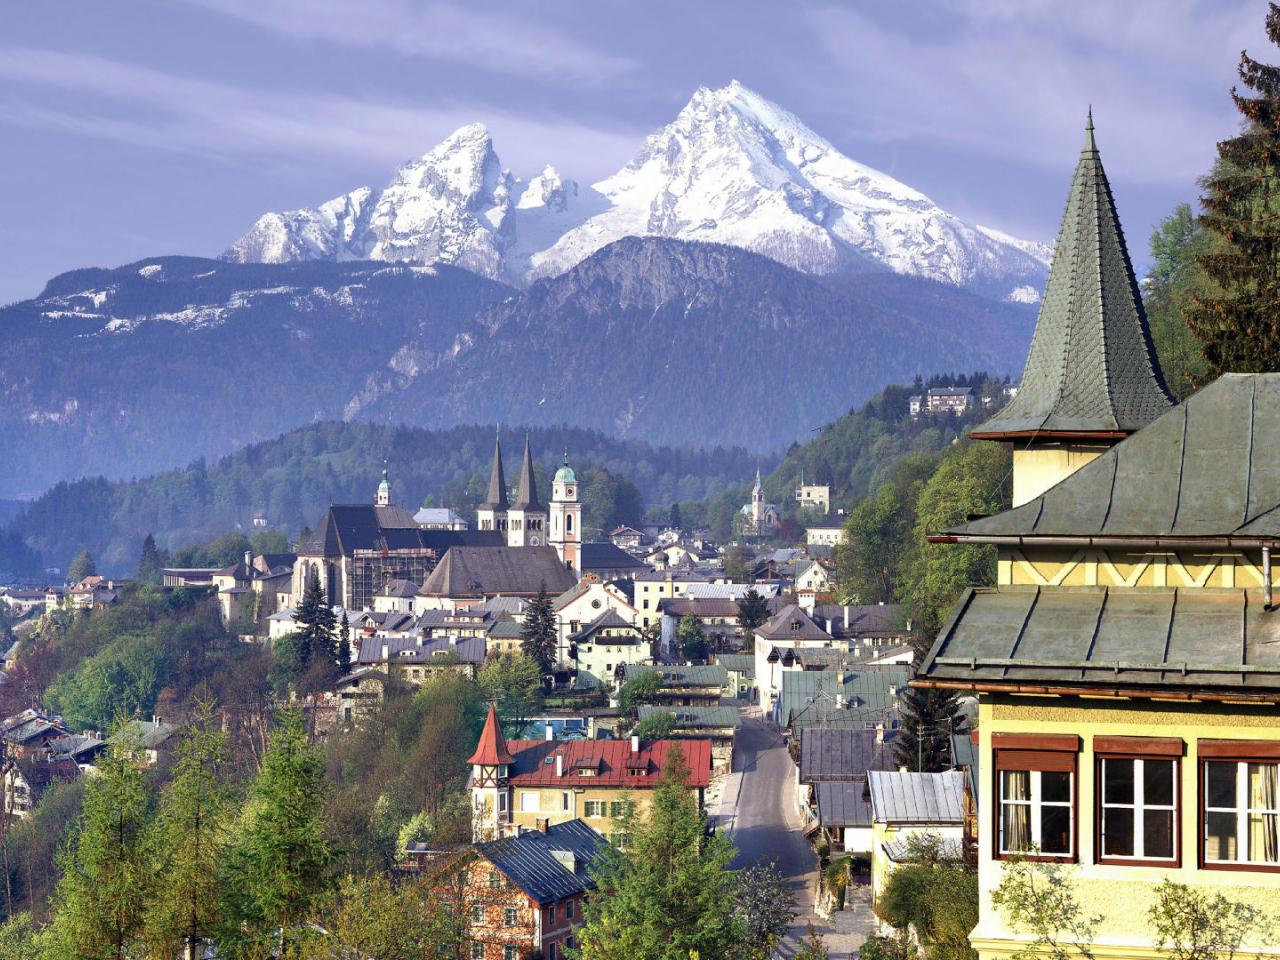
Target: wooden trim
<point>1238,749</point>
<point>1054,761</point>
<point>1139,747</point>
<point>1080,435</point>
<point>1176,861</point>
<point>1064,742</point>
<point>1201,861</point>
<point>1074,856</point>
<point>1116,692</point>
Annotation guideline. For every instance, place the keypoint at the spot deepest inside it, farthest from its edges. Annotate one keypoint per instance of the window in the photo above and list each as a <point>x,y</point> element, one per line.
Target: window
<point>477,910</point>
<point>551,914</point>
<point>1138,808</point>
<point>617,808</point>
<point>593,808</point>
<point>510,952</point>
<point>510,917</point>
<point>568,909</point>
<point>1241,812</point>
<point>1035,794</point>
<point>493,880</point>
<point>477,951</point>
<point>551,951</point>
<point>529,802</point>
<point>564,801</point>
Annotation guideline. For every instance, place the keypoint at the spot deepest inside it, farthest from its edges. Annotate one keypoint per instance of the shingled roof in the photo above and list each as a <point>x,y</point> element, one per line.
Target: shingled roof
<point>1092,368</point>
<point>487,571</point>
<point>550,865</point>
<point>1207,468</point>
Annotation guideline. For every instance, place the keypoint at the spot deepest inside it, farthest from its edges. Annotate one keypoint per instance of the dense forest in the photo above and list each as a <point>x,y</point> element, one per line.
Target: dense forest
<point>292,479</point>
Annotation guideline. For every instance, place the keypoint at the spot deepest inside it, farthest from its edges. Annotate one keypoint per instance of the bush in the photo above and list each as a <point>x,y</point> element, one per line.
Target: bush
<point>940,901</point>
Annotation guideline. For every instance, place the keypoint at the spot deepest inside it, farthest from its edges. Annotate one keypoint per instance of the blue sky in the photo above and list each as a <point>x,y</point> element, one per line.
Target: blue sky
<point>167,126</point>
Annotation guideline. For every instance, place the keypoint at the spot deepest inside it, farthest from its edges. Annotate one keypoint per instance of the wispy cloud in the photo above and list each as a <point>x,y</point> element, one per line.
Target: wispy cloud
<point>509,44</point>
<point>161,110</point>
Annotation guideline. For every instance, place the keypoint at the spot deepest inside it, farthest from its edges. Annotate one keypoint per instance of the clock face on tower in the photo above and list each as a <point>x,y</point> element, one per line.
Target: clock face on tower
<point>535,541</point>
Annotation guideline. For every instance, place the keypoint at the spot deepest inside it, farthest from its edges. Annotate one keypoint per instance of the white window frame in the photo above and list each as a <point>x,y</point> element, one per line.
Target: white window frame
<point>530,802</point>
<point>1139,807</point>
<point>1242,810</point>
<point>1036,805</point>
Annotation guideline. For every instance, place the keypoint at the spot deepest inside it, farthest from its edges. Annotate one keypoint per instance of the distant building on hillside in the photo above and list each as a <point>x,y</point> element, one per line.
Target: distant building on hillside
<point>814,496</point>
<point>758,518</point>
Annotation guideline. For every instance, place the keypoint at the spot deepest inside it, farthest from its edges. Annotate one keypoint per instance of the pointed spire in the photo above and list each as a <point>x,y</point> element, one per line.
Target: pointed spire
<point>492,750</point>
<point>497,498</point>
<point>1091,372</point>
<point>527,490</point>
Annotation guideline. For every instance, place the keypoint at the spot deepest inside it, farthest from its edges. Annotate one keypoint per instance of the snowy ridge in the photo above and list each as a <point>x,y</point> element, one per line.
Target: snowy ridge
<point>731,168</point>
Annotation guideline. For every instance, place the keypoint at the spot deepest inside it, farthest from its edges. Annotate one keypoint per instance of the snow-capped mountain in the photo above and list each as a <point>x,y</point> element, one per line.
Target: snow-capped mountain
<point>732,168</point>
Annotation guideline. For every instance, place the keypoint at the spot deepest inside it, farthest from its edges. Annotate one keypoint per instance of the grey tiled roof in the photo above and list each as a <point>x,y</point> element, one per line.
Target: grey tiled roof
<point>680,675</point>
<point>529,860</point>
<point>841,754</point>
<point>1202,638</point>
<point>865,692</point>
<point>1091,367</point>
<point>480,571</point>
<point>843,804</point>
<point>908,797</point>
<point>743,664</point>
<point>1206,468</point>
<point>607,557</point>
<point>791,623</point>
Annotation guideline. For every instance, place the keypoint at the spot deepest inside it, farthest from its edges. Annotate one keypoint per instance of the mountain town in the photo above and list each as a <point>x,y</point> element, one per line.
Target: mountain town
<point>456,569</point>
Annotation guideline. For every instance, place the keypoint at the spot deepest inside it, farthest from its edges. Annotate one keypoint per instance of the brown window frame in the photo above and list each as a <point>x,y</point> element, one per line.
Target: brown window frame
<point>1138,748</point>
<point>1043,752</point>
<point>1238,751</point>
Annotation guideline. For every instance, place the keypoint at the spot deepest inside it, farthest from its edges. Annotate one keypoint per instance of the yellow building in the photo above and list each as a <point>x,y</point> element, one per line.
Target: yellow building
<point>527,784</point>
<point>1127,663</point>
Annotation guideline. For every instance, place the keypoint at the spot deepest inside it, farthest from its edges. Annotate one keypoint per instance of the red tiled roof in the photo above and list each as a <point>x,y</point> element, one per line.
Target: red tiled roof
<point>535,762</point>
<point>492,748</point>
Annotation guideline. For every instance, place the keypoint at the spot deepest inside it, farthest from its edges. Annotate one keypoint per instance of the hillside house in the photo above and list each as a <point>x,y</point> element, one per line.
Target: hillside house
<point>682,685</point>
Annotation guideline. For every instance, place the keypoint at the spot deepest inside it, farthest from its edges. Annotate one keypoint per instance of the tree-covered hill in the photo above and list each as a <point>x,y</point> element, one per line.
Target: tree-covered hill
<point>293,478</point>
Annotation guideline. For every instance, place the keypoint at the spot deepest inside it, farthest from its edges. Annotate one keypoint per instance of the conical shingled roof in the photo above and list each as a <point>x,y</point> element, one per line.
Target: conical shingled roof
<point>1092,368</point>
<point>527,490</point>
<point>492,750</point>
<point>497,498</point>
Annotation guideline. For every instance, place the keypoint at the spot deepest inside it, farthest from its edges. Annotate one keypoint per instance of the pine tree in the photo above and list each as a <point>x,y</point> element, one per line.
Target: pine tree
<point>1240,327</point>
<point>538,638</point>
<point>106,875</point>
<point>753,611</point>
<point>693,641</point>
<point>82,565</point>
<point>674,520</point>
<point>315,619</point>
<point>671,895</point>
<point>150,563</point>
<point>190,840</point>
<point>929,718</point>
<point>282,862</point>
<point>344,645</point>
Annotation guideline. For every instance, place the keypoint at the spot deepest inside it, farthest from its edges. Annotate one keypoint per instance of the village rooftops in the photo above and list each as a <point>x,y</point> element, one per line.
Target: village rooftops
<point>706,608</point>
<point>679,674</point>
<point>843,803</point>
<point>609,558</point>
<point>842,754</point>
<point>467,572</point>
<point>693,718</point>
<point>550,865</point>
<point>398,589</point>
<point>743,664</point>
<point>1205,472</point>
<point>902,797</point>
<point>603,763</point>
<point>609,620</point>
<point>791,624</point>
<point>852,695</point>
<point>1202,643</point>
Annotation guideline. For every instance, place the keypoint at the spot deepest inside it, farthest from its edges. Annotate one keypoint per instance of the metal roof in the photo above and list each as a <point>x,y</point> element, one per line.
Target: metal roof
<point>530,862</point>
<point>483,571</point>
<point>841,754</point>
<point>743,664</point>
<point>611,759</point>
<point>693,718</point>
<point>843,804</point>
<point>1195,639</point>
<point>909,797</point>
<point>865,691</point>
<point>1207,468</point>
<point>1091,367</point>
<point>679,674</point>
<point>606,557</point>
<point>497,498</point>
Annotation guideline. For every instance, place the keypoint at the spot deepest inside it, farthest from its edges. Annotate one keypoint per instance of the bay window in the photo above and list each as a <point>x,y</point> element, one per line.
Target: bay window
<point>1240,785</point>
<point>1035,794</point>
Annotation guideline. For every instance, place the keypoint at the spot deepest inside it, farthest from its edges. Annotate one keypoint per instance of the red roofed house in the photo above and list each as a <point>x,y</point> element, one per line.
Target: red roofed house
<point>528,784</point>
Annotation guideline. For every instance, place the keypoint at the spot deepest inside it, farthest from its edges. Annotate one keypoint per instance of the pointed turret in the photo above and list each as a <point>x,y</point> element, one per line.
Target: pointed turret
<point>527,489</point>
<point>492,750</point>
<point>497,498</point>
<point>383,497</point>
<point>1091,374</point>
<point>1091,377</point>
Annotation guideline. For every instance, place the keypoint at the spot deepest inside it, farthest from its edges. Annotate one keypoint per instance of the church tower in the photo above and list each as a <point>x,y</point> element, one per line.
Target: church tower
<point>1091,377</point>
<point>527,517</point>
<point>492,514</point>
<point>757,503</point>
<point>566,517</point>
<point>490,767</point>
<point>383,497</point>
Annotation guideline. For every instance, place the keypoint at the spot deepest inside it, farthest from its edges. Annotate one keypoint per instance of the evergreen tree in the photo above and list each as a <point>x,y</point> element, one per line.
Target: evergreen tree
<point>106,875</point>
<point>538,638</point>
<point>315,621</point>
<point>282,861</point>
<point>693,642</point>
<point>671,895</point>
<point>191,839</point>
<point>82,565</point>
<point>1240,327</point>
<point>150,563</point>
<point>753,611</point>
<point>673,521</point>
<point>929,717</point>
<point>344,645</point>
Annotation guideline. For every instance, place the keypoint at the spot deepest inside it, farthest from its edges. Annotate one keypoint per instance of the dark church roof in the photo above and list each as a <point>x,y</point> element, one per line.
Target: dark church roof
<point>1207,468</point>
<point>605,558</point>
<point>348,527</point>
<point>1092,367</point>
<point>527,489</point>
<point>497,498</point>
<point>488,571</point>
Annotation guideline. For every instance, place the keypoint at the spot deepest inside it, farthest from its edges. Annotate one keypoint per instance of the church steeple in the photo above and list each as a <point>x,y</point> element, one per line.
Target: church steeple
<point>1091,376</point>
<point>527,489</point>
<point>383,497</point>
<point>1091,373</point>
<point>497,499</point>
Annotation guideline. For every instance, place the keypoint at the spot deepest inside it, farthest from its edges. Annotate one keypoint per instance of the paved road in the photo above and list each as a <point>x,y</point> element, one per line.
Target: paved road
<point>767,826</point>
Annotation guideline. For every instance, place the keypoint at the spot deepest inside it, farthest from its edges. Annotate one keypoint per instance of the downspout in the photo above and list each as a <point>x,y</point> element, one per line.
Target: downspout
<point>1266,578</point>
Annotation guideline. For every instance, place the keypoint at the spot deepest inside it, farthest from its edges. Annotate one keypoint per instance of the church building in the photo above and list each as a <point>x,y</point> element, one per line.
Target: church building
<point>1127,661</point>
<point>527,522</point>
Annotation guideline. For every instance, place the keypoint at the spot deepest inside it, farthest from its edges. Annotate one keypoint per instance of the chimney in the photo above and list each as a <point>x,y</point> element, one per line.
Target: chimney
<point>879,733</point>
<point>829,625</point>
<point>386,652</point>
<point>567,859</point>
<point>559,765</point>
<point>635,744</point>
<point>893,691</point>
<point>846,616</point>
<point>248,564</point>
<point>542,823</point>
<point>550,733</point>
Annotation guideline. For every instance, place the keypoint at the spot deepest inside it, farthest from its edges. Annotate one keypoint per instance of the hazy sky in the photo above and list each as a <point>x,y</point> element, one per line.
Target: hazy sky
<point>149,127</point>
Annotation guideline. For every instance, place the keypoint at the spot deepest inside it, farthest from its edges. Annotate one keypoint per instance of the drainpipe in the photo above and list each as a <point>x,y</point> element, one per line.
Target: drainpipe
<point>1266,578</point>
